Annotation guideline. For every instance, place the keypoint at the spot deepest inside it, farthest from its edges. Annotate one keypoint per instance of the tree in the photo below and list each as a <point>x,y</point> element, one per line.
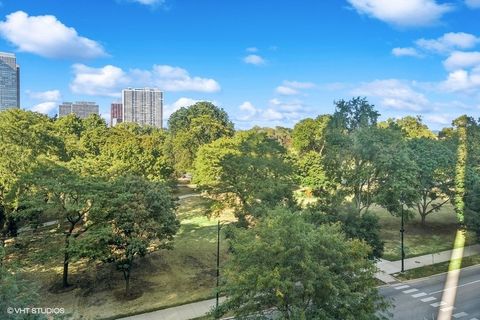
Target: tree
<point>15,292</point>
<point>24,136</point>
<point>133,150</point>
<point>365,227</point>
<point>303,272</point>
<point>193,127</point>
<point>309,134</point>
<point>352,143</point>
<point>281,134</point>
<point>413,127</point>
<point>467,193</point>
<point>435,175</point>
<point>247,172</point>
<point>141,219</point>
<point>55,191</point>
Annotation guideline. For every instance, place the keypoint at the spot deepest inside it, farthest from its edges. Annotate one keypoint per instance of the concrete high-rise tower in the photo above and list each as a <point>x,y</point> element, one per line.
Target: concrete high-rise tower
<point>81,109</point>
<point>143,106</point>
<point>9,81</point>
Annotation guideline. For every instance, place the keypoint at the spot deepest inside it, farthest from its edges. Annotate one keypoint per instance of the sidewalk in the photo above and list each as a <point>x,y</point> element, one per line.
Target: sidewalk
<point>391,267</point>
<point>183,312</point>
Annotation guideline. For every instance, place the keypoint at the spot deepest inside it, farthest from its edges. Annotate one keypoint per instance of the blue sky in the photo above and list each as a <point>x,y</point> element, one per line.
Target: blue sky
<point>265,62</point>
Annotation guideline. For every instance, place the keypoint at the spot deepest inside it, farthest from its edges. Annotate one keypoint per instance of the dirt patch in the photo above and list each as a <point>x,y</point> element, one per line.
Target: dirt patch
<point>134,294</point>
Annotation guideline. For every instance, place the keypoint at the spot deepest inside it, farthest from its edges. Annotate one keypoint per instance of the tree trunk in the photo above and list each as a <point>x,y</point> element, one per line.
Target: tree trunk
<point>66,258</point>
<point>423,220</point>
<point>126,275</point>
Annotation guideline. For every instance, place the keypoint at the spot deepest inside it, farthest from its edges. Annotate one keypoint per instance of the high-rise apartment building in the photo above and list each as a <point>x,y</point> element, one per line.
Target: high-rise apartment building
<point>81,109</point>
<point>9,81</point>
<point>143,106</point>
<point>116,113</point>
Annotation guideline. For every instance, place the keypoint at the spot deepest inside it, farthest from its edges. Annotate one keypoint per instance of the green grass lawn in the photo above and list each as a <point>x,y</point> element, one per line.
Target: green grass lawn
<point>438,235</point>
<point>162,279</point>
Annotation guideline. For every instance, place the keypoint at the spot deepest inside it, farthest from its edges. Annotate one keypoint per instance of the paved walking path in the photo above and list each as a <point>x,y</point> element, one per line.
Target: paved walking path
<point>391,267</point>
<point>183,312</point>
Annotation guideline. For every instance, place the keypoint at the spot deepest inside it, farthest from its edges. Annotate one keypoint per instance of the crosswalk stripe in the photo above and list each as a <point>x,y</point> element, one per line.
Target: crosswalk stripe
<point>438,304</point>
<point>428,299</point>
<point>417,295</point>
<point>402,287</point>
<point>410,290</point>
<point>460,315</point>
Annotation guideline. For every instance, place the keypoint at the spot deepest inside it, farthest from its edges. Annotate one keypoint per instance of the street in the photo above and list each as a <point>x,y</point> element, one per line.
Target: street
<point>422,299</point>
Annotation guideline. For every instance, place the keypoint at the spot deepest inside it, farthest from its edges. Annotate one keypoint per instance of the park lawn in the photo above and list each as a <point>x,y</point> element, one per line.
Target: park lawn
<point>438,234</point>
<point>437,268</point>
<point>162,279</point>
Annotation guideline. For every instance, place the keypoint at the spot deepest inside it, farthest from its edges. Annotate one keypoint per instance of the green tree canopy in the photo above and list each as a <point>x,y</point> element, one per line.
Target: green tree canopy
<point>140,218</point>
<point>193,127</point>
<point>435,162</point>
<point>303,272</point>
<point>247,172</point>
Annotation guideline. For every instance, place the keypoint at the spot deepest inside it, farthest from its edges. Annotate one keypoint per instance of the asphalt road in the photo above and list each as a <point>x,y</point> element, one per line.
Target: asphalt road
<point>422,299</point>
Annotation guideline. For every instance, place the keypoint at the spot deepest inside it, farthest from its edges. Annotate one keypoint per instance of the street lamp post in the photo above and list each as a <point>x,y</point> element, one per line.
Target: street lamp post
<point>402,230</point>
<point>218,262</point>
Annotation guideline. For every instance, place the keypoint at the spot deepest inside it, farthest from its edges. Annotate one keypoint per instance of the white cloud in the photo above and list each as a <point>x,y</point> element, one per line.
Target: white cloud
<point>47,37</point>
<point>110,80</point>
<point>249,111</point>
<point>299,85</point>
<point>180,103</point>
<point>254,59</point>
<point>286,91</point>
<point>50,95</point>
<point>149,2</point>
<point>252,49</point>
<point>462,60</point>
<point>462,81</point>
<point>405,13</point>
<point>405,52</point>
<point>449,42</point>
<point>105,81</point>
<point>177,79</point>
<point>290,88</point>
<point>441,119</point>
<point>394,94</point>
<point>271,115</point>
<point>45,107</point>
<point>473,3</point>
<point>46,101</point>
<point>278,110</point>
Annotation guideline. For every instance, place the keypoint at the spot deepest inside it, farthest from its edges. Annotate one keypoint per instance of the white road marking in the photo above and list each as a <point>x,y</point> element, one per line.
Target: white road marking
<point>463,285</point>
<point>402,287</point>
<point>428,299</point>
<point>460,315</point>
<point>410,291</point>
<point>438,304</point>
<point>417,295</point>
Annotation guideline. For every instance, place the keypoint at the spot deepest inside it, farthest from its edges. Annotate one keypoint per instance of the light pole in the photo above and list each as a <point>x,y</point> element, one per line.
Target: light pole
<point>402,230</point>
<point>218,263</point>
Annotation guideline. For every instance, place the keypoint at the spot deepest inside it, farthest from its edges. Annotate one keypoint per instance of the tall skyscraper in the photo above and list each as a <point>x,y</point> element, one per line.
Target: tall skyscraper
<point>143,106</point>
<point>9,81</point>
<point>116,113</point>
<point>81,109</point>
